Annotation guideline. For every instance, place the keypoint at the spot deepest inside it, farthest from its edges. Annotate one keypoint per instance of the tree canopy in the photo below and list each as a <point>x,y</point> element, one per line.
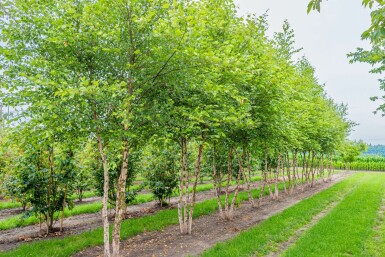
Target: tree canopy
<point>129,79</point>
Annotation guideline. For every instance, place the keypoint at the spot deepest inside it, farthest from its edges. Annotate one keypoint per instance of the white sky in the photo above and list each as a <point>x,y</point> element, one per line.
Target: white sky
<point>327,38</point>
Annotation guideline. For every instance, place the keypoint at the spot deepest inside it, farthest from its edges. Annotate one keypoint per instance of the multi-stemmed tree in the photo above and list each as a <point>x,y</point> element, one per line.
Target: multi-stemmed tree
<point>190,75</point>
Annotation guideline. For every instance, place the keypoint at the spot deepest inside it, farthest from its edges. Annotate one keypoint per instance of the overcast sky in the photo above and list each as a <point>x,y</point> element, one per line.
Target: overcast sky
<point>327,38</point>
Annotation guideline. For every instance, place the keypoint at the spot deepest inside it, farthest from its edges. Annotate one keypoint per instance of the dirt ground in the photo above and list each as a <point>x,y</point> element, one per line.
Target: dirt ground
<point>209,229</point>
<point>12,238</point>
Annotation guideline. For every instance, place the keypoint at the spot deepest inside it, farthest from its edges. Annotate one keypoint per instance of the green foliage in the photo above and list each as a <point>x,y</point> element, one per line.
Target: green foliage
<point>136,75</point>
<point>161,173</point>
<point>114,171</point>
<point>159,167</point>
<point>351,150</point>
<point>314,5</point>
<point>378,150</point>
<point>86,166</point>
<point>42,179</point>
<point>364,162</point>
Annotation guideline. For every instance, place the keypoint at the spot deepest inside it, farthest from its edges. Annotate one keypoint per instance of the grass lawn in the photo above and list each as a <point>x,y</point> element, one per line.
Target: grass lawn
<point>69,245</point>
<point>344,230</point>
<point>8,205</point>
<point>265,237</point>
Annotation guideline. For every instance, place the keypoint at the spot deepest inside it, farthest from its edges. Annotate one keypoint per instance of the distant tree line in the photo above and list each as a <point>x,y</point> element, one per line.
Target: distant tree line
<point>375,150</point>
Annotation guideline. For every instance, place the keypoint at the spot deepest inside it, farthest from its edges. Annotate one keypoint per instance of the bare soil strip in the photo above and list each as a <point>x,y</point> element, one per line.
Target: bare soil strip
<point>11,238</point>
<point>209,229</point>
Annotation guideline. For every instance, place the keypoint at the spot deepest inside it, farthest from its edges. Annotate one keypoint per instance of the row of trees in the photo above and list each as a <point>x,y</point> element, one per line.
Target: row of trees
<point>378,150</point>
<point>174,86</point>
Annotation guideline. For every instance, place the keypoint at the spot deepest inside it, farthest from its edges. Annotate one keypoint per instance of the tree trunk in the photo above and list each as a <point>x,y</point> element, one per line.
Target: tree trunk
<point>197,171</point>
<point>276,190</point>
<point>264,177</point>
<point>80,192</point>
<point>312,171</point>
<point>181,185</point>
<point>283,161</point>
<point>120,201</point>
<point>242,171</point>
<point>304,168</point>
<point>63,207</point>
<point>183,188</point>
<point>50,192</point>
<point>229,160</point>
<point>249,174</point>
<point>322,168</point>
<point>230,214</point>
<point>295,171</point>
<point>106,231</point>
<point>330,170</point>
<point>215,179</point>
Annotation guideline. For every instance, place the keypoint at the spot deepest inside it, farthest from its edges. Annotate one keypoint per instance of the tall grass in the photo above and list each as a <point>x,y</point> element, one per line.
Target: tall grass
<point>365,162</point>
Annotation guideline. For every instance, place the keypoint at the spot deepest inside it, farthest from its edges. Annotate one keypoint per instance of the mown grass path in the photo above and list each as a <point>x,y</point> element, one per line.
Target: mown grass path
<point>266,236</point>
<point>375,243</point>
<point>345,229</point>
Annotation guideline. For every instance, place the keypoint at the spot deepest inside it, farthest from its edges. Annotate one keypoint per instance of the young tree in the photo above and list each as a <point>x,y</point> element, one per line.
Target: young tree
<point>160,168</point>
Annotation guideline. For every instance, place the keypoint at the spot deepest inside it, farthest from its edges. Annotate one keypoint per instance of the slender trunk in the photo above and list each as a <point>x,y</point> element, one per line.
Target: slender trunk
<point>304,167</point>
<point>80,195</point>
<point>182,181</point>
<point>251,199</point>
<point>63,207</point>
<point>312,168</point>
<point>106,232</point>
<point>229,161</point>
<point>322,168</point>
<point>187,192</point>
<point>295,170</point>
<point>283,161</point>
<point>296,166</point>
<point>242,171</point>
<point>120,201</point>
<point>288,173</point>
<point>277,177</point>
<point>197,171</point>
<point>264,176</point>
<point>215,177</point>
<point>269,181</point>
<point>50,192</point>
<point>330,168</point>
<point>233,201</point>
<point>220,178</point>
